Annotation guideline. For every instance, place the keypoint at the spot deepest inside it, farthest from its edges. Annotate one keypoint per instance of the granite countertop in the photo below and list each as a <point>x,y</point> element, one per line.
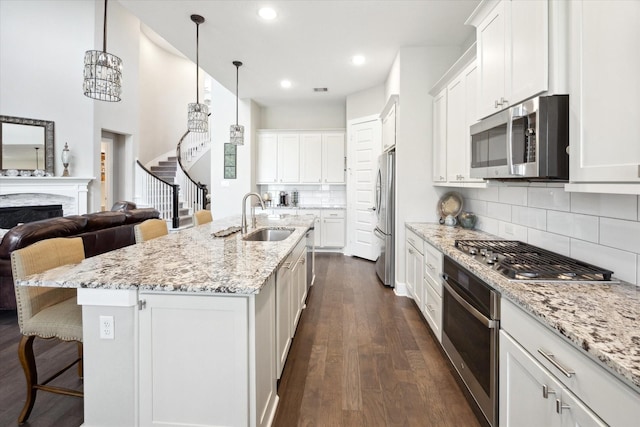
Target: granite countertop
<point>601,319</point>
<point>189,260</point>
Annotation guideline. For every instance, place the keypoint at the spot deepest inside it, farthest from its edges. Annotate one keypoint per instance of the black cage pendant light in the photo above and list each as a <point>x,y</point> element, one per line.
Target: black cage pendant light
<point>237,131</point>
<point>198,117</point>
<point>102,71</point>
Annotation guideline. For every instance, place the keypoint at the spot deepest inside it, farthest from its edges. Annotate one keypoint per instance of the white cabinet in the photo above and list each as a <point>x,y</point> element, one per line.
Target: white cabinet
<point>333,158</point>
<point>207,360</point>
<point>604,59</point>
<point>531,397</point>
<point>414,267</point>
<point>534,362</point>
<point>388,117</point>
<point>513,52</point>
<point>283,314</point>
<point>440,137</point>
<point>317,225</point>
<point>310,154</point>
<point>298,284</point>
<point>288,158</point>
<point>333,228</point>
<point>267,165</point>
<point>301,157</point>
<point>433,289</point>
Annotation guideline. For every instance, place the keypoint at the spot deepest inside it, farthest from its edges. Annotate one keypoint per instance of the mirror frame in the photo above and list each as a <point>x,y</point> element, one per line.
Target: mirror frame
<point>49,152</point>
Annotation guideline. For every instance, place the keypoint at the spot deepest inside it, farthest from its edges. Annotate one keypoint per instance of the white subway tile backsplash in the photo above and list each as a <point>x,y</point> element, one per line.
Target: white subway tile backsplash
<point>620,234</point>
<point>550,241</point>
<point>583,227</point>
<point>491,194</point>
<point>549,198</point>
<point>500,211</point>
<point>513,195</point>
<point>622,206</point>
<point>530,217</point>
<point>479,207</point>
<point>623,264</point>
<point>490,225</point>
<point>510,231</point>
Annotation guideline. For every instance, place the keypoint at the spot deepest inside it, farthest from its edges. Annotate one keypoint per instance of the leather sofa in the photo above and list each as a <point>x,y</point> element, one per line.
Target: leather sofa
<point>101,232</point>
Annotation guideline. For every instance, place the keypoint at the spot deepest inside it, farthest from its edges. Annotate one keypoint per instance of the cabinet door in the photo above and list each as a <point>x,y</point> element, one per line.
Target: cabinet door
<point>529,55</point>
<point>389,129</point>
<point>604,88</point>
<point>457,132</point>
<point>283,315</point>
<point>432,308</point>
<point>333,158</point>
<point>419,279</point>
<point>288,158</point>
<point>310,155</point>
<point>471,115</point>
<point>491,60</point>
<point>333,229</point>
<point>267,158</point>
<point>574,413</point>
<point>409,270</point>
<point>527,391</point>
<point>440,137</point>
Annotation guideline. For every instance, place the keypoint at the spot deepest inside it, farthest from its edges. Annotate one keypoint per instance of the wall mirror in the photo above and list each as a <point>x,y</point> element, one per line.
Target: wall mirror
<point>26,144</point>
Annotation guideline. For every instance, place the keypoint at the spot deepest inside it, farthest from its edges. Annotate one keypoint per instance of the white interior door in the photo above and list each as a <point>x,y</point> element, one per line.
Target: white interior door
<point>365,145</point>
<point>106,173</point>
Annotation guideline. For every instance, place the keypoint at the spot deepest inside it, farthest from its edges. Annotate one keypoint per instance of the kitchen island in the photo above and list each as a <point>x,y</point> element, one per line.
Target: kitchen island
<point>181,330</point>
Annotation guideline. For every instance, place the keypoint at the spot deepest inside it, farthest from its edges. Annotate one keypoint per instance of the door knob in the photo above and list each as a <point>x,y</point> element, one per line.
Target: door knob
<point>371,209</point>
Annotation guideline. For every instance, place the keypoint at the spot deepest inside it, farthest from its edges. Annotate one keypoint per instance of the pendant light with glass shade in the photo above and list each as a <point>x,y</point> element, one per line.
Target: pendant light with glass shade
<point>237,131</point>
<point>102,71</point>
<point>198,116</point>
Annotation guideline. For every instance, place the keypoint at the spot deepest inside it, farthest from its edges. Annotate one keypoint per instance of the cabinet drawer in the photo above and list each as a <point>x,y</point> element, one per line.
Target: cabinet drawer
<point>614,401</point>
<point>415,240</point>
<point>433,310</point>
<point>332,213</point>
<point>433,266</point>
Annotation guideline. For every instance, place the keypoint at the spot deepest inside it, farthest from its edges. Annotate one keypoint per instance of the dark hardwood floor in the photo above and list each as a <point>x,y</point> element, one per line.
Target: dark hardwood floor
<point>361,357</point>
<point>364,357</point>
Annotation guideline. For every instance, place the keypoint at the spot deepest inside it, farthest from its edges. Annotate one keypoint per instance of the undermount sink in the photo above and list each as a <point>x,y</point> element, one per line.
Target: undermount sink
<point>269,235</point>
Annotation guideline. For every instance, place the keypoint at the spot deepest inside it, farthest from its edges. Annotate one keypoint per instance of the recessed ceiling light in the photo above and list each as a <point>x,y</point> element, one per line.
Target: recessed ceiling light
<point>285,84</point>
<point>267,13</point>
<point>358,60</point>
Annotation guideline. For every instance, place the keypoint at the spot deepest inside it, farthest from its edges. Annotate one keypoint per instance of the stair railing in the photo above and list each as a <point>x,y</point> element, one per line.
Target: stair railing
<point>156,192</point>
<point>193,194</point>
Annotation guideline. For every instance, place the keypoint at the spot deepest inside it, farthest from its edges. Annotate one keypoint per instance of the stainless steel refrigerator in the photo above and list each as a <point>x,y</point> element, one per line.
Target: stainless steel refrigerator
<point>385,210</point>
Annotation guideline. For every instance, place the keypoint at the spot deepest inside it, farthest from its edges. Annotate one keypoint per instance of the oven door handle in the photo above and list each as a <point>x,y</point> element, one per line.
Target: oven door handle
<point>491,324</point>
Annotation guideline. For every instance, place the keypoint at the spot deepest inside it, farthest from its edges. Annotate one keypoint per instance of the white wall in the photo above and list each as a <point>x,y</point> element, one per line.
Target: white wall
<point>419,69</point>
<point>226,195</point>
<point>366,103</point>
<point>305,115</point>
<point>392,84</point>
<point>602,229</point>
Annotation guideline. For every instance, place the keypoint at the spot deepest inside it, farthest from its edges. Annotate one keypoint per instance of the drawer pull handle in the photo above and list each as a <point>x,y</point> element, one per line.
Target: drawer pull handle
<point>566,372</point>
<point>431,308</point>
<point>411,241</point>
<point>431,267</point>
<point>560,406</point>
<point>546,391</point>
<point>411,251</point>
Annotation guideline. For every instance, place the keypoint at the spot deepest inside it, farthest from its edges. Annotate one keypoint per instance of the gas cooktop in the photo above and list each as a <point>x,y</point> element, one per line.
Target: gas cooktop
<point>524,262</point>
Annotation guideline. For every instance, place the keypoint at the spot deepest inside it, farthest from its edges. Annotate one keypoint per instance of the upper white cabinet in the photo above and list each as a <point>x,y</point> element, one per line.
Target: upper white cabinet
<point>513,52</point>
<point>604,59</point>
<point>440,136</point>
<point>286,157</point>
<point>333,158</point>
<point>388,117</point>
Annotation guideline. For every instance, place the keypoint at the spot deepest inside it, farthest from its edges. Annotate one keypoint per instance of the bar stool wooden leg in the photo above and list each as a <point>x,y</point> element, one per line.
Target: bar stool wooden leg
<point>28,362</point>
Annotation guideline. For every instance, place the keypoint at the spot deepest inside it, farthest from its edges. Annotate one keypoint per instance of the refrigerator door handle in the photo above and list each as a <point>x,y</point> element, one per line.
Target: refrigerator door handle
<point>378,192</point>
<point>379,234</point>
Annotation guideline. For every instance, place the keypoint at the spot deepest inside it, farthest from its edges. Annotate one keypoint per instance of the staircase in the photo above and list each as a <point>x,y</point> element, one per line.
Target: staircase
<point>167,170</point>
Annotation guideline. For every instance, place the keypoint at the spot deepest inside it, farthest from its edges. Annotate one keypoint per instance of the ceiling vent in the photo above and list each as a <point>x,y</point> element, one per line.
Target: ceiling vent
<point>320,89</point>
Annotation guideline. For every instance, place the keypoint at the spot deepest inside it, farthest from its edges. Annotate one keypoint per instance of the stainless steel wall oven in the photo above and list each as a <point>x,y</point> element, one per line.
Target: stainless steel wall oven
<point>470,331</point>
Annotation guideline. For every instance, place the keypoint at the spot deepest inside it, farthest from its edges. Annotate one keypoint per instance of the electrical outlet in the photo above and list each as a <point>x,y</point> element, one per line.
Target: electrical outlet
<point>107,328</point>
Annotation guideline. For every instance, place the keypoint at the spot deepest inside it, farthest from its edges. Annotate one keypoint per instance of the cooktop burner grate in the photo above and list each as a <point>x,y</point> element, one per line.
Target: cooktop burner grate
<point>523,261</point>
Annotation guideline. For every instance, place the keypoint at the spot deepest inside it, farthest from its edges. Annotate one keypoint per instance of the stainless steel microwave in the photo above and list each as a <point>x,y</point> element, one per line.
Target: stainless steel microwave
<point>527,141</point>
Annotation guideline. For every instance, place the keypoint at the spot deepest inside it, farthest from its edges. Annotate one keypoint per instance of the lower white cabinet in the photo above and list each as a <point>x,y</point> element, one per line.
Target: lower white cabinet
<point>531,396</point>
<point>333,228</point>
<point>545,381</point>
<point>291,293</point>
<point>414,260</point>
<point>207,360</point>
<point>433,308</point>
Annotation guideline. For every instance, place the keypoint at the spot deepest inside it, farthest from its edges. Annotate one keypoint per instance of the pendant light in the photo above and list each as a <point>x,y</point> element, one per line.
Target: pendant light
<point>102,71</point>
<point>237,131</point>
<point>198,116</point>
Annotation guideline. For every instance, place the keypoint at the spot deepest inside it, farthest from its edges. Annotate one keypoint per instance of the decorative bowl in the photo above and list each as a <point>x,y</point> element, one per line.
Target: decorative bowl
<point>467,219</point>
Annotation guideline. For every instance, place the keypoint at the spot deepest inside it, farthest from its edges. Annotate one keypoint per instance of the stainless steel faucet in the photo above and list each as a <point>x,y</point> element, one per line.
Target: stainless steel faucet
<point>243,225</point>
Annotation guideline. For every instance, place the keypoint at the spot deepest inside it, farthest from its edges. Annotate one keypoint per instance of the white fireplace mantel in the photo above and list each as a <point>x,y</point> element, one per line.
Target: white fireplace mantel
<point>76,188</point>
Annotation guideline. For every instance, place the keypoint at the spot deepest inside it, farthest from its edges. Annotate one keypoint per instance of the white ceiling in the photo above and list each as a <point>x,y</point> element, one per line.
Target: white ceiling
<point>310,42</point>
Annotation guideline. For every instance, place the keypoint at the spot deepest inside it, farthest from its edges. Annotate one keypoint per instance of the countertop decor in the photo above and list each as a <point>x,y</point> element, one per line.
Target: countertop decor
<point>602,319</point>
